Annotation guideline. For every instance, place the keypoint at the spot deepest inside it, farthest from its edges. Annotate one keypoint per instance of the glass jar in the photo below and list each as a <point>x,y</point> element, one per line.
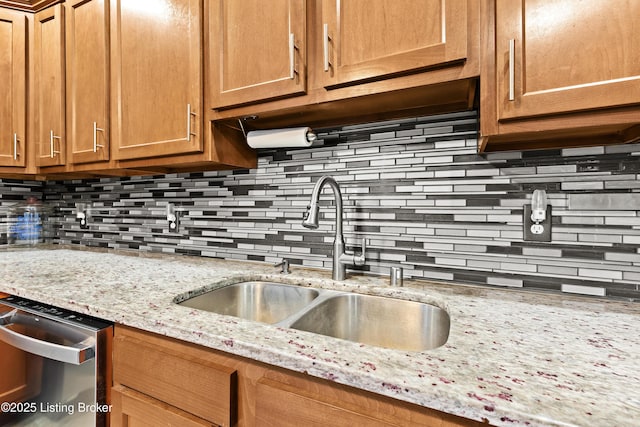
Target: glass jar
<point>29,223</point>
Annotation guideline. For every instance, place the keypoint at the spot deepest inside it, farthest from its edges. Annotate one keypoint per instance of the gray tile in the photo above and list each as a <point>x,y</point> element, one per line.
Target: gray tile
<point>584,290</point>
<point>455,214</point>
<point>604,201</point>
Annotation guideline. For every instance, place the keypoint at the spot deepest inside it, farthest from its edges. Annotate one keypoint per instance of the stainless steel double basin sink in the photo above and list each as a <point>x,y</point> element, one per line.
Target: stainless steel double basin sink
<point>367,319</point>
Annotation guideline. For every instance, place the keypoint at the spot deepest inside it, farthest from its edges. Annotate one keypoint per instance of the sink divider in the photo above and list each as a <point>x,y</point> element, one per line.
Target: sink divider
<point>323,295</point>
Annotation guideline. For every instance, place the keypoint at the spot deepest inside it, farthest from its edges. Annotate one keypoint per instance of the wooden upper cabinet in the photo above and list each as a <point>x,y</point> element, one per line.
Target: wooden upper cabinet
<point>156,75</point>
<point>13,70</point>
<point>559,56</point>
<point>49,86</point>
<point>87,42</point>
<point>257,50</point>
<point>364,40</point>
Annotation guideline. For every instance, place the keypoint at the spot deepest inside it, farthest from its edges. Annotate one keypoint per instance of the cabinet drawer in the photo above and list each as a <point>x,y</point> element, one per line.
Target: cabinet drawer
<point>136,409</point>
<point>284,400</point>
<point>279,405</point>
<point>183,380</point>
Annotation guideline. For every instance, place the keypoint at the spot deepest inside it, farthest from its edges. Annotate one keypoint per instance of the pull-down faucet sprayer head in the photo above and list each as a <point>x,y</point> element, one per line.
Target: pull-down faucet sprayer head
<point>310,218</point>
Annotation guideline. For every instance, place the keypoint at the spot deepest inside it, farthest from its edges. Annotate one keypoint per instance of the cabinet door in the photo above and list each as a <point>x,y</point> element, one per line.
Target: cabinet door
<point>257,50</point>
<point>20,372</point>
<point>178,378</point>
<point>557,56</point>
<point>87,41</point>
<point>13,88</point>
<point>156,59</point>
<point>366,40</point>
<point>133,409</point>
<point>49,86</point>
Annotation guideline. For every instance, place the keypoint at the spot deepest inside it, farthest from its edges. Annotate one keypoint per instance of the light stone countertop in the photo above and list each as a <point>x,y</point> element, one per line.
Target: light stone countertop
<point>512,358</point>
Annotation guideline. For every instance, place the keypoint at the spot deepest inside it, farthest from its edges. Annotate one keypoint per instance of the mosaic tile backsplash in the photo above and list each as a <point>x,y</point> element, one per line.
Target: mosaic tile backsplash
<point>415,188</point>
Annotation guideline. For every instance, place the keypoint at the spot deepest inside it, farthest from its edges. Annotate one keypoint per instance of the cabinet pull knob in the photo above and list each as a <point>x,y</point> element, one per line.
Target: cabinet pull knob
<point>53,137</point>
<point>15,146</point>
<point>292,56</point>
<point>325,44</point>
<point>95,137</point>
<point>190,114</point>
<point>512,71</point>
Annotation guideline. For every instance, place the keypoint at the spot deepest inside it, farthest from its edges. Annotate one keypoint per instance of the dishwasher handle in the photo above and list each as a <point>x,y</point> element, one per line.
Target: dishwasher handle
<point>76,354</point>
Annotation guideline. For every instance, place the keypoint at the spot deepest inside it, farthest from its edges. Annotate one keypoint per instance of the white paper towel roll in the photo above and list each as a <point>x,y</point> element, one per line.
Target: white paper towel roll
<point>279,138</point>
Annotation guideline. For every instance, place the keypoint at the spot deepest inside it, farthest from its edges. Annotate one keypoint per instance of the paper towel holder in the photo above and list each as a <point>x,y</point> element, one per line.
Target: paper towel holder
<point>245,119</point>
<point>311,136</point>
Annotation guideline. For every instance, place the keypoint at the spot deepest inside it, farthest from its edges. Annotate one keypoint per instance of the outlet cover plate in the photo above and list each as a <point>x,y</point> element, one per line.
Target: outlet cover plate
<point>527,223</point>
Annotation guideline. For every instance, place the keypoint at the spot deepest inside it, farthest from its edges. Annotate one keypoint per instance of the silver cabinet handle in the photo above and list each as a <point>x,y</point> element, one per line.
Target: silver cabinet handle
<point>76,354</point>
<point>95,137</point>
<point>52,137</point>
<point>325,44</point>
<point>190,114</point>
<point>292,56</point>
<point>15,146</point>
<point>512,71</point>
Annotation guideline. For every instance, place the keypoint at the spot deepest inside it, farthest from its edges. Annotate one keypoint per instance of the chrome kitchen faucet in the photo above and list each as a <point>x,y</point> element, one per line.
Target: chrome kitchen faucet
<point>310,220</point>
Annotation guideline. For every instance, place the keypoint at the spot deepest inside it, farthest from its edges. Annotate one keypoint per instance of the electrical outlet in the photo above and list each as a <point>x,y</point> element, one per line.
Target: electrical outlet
<point>174,224</point>
<point>84,223</point>
<point>529,234</point>
<point>82,215</point>
<point>173,218</point>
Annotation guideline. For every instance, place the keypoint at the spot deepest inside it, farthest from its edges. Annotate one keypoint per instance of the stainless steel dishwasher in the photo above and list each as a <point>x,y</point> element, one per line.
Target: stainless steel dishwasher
<point>55,366</point>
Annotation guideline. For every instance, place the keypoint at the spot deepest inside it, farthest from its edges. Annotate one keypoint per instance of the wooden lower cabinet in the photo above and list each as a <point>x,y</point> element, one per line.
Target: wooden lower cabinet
<point>20,372</point>
<point>279,404</point>
<point>20,375</point>
<point>160,381</point>
<point>173,375</point>
<point>134,409</point>
<point>287,399</point>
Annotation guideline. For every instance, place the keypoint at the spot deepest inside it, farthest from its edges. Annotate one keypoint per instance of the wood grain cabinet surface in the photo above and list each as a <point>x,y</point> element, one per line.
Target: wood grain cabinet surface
<point>329,62</point>
<point>21,375</point>
<point>161,381</point>
<point>364,40</point>
<point>156,90</point>
<point>108,88</point>
<point>119,87</point>
<point>258,50</point>
<point>87,80</point>
<point>49,87</point>
<point>568,55</point>
<point>13,69</point>
<point>131,408</point>
<point>286,399</point>
<point>561,69</point>
<point>173,378</point>
<point>20,372</point>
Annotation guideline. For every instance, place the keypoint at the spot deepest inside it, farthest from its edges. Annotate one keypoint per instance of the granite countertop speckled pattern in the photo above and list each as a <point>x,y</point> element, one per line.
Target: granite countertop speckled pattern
<point>513,358</point>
